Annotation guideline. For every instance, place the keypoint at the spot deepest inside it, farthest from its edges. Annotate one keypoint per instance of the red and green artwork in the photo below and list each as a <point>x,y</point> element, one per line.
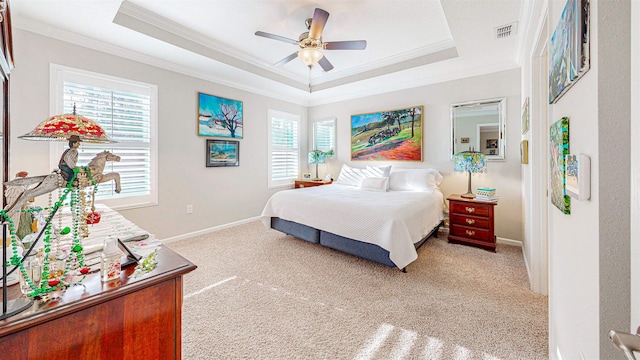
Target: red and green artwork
<point>387,135</point>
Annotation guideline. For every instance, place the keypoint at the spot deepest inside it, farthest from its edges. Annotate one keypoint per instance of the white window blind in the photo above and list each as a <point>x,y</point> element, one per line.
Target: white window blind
<point>126,111</point>
<point>324,135</point>
<point>284,148</point>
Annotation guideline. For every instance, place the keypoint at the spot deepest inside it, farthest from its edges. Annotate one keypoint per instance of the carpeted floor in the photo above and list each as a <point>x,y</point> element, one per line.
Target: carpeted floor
<point>259,294</point>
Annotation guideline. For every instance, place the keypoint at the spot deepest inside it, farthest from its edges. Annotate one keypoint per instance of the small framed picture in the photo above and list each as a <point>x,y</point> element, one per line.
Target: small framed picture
<point>524,152</point>
<point>222,153</point>
<point>306,176</point>
<point>492,143</point>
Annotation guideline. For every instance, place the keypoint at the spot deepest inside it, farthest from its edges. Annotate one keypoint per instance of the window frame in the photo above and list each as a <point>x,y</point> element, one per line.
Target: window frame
<point>314,135</point>
<point>58,75</point>
<point>288,181</point>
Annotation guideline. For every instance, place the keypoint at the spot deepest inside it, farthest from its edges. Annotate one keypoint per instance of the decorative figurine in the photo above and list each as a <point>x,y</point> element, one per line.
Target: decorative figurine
<point>69,158</point>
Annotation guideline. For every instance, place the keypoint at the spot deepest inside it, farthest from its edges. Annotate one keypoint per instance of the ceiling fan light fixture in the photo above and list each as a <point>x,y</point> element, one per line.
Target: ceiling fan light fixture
<point>310,56</point>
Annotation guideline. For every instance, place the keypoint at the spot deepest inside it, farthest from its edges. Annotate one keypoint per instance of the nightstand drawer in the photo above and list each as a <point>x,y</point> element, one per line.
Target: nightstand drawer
<point>471,233</point>
<point>470,208</point>
<point>474,221</point>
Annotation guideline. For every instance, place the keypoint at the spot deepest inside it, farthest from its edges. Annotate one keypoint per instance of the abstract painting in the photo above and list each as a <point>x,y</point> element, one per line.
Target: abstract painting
<point>569,49</point>
<point>525,116</point>
<point>219,117</point>
<point>558,149</point>
<point>387,135</point>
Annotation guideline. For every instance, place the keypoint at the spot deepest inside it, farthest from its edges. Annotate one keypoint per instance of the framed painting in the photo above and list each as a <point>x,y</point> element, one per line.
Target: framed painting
<point>387,135</point>
<point>525,116</point>
<point>569,48</point>
<point>222,153</point>
<point>219,117</point>
<point>558,149</point>
<point>524,152</point>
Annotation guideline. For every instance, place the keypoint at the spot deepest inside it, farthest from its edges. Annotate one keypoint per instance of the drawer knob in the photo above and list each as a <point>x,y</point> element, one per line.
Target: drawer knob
<point>470,209</point>
<point>470,221</point>
<point>470,233</point>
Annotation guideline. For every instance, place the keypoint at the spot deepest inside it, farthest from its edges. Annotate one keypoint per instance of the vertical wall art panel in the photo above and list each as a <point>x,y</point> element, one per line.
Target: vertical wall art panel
<point>387,135</point>
<point>559,148</point>
<point>569,49</point>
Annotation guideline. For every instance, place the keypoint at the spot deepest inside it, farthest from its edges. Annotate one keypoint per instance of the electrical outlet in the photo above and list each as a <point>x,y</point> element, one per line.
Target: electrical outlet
<point>189,209</point>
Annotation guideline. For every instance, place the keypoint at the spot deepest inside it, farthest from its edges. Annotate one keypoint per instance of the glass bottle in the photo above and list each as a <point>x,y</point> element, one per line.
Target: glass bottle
<point>110,260</point>
<point>33,268</point>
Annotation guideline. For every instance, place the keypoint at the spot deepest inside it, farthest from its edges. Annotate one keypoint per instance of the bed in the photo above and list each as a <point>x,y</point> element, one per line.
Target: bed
<point>374,213</point>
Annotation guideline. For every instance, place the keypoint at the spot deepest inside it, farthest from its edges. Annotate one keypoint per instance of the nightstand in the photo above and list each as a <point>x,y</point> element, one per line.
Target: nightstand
<point>471,222</point>
<point>308,183</point>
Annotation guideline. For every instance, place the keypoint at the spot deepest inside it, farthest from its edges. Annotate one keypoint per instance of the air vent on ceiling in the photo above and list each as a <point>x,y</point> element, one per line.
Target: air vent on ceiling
<point>505,31</point>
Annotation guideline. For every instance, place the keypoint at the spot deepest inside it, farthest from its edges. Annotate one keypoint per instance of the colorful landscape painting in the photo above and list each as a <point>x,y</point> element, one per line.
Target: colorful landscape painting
<point>219,117</point>
<point>558,149</point>
<point>223,153</point>
<point>387,135</point>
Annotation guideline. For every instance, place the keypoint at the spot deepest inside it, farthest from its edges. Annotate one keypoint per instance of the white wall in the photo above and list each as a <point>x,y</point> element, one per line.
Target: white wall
<point>437,98</point>
<point>589,249</point>
<point>219,195</point>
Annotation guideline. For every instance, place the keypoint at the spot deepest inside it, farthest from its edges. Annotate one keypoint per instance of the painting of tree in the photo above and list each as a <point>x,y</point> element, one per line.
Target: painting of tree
<point>219,117</point>
<point>387,135</point>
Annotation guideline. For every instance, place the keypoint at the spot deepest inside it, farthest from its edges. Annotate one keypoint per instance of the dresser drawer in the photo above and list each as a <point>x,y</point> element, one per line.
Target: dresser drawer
<point>471,233</point>
<point>474,221</point>
<point>470,208</point>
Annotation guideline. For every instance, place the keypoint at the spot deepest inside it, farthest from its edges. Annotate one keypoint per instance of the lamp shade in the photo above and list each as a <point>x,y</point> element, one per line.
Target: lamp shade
<point>310,56</point>
<point>317,157</point>
<point>61,127</point>
<point>470,161</point>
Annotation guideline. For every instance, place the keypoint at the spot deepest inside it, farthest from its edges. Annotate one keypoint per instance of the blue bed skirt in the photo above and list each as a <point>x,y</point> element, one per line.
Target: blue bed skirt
<point>353,247</point>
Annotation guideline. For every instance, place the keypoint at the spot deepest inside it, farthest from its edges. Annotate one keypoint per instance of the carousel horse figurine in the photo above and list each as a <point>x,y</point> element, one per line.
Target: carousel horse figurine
<point>20,190</point>
<point>96,167</point>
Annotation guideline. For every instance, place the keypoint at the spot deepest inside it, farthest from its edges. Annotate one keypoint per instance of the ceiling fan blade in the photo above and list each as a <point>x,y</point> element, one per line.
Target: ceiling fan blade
<point>325,64</point>
<point>317,23</point>
<point>346,45</point>
<point>276,37</point>
<point>287,59</point>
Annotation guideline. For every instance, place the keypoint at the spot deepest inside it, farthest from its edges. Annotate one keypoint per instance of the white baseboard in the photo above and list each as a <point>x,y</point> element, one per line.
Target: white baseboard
<point>209,230</point>
<point>506,241</point>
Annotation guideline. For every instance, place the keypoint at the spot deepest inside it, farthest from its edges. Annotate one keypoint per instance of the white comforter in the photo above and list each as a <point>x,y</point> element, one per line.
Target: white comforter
<point>393,220</point>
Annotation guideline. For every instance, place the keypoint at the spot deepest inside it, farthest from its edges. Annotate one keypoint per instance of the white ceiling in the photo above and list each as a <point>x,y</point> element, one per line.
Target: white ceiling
<point>409,42</point>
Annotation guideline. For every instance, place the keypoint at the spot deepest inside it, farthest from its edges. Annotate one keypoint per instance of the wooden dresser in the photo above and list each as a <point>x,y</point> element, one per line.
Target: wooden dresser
<point>471,222</point>
<point>308,183</point>
<point>129,318</point>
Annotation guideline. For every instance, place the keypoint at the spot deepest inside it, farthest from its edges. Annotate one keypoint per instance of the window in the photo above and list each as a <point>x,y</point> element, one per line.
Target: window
<point>324,135</point>
<point>284,148</point>
<point>126,110</point>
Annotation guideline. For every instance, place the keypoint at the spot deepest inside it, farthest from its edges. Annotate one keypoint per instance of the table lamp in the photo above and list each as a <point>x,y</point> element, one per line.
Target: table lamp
<point>317,157</point>
<point>471,162</point>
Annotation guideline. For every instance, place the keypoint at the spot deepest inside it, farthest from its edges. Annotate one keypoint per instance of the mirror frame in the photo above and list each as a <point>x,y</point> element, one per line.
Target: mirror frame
<point>502,125</point>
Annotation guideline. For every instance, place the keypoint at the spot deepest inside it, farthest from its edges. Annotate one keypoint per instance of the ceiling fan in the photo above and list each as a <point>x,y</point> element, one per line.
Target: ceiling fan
<point>311,43</point>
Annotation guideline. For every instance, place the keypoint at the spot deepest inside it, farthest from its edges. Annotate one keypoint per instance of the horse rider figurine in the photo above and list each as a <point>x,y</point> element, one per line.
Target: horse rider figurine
<point>69,158</point>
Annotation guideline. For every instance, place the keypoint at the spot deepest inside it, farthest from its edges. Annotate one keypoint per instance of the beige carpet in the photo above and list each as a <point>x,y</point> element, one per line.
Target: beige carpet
<point>259,294</point>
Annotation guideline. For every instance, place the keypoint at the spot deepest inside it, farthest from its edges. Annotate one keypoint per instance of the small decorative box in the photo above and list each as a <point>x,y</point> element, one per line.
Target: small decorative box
<point>482,191</point>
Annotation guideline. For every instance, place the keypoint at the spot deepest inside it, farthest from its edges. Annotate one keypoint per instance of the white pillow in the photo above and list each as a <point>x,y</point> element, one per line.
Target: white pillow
<point>351,176</point>
<point>379,171</point>
<point>415,180</point>
<point>375,184</point>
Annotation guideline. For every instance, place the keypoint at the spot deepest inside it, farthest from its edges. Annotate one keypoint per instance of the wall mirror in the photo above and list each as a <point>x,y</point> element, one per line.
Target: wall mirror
<point>479,125</point>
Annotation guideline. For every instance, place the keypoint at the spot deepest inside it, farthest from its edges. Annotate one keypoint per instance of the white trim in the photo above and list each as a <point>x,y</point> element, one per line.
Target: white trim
<point>60,73</point>
<point>208,230</point>
<point>505,241</point>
